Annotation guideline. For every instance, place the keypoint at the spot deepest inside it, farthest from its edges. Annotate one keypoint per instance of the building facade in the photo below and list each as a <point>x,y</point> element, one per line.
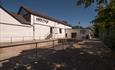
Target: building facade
<point>79,33</point>
<point>28,25</point>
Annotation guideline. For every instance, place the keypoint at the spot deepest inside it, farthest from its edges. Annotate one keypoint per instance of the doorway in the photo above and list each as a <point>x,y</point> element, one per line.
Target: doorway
<point>73,35</point>
<point>51,29</point>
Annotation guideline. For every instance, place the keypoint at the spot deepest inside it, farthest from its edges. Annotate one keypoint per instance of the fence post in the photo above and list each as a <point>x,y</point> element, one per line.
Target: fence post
<point>53,44</point>
<point>63,44</point>
<point>36,50</point>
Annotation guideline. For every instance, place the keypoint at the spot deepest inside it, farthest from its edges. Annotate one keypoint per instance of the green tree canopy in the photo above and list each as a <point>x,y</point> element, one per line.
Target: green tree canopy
<point>104,22</point>
<point>87,3</point>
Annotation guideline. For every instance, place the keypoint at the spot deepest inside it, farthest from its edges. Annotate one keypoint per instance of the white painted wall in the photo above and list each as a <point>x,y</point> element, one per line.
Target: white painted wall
<point>42,29</point>
<point>77,31</point>
<point>14,33</point>
<point>13,30</point>
<point>6,18</point>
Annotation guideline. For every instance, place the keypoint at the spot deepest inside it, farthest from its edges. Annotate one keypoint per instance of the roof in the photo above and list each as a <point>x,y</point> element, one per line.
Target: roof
<point>80,27</point>
<point>17,17</point>
<point>77,27</point>
<point>20,18</point>
<point>43,16</point>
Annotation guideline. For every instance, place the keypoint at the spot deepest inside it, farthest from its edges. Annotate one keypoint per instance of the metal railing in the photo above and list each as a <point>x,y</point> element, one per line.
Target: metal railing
<point>33,55</point>
<point>11,39</point>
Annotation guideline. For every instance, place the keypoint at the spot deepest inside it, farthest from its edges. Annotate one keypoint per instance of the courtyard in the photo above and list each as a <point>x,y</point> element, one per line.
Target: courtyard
<point>83,55</point>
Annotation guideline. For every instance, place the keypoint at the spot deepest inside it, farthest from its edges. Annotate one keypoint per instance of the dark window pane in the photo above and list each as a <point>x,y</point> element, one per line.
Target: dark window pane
<point>60,30</point>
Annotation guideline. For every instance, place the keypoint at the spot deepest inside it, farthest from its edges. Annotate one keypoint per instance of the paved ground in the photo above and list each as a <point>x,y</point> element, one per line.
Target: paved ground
<point>85,55</point>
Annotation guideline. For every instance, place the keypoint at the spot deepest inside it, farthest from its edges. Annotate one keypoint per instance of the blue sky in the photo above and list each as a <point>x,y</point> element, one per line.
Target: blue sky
<point>59,9</point>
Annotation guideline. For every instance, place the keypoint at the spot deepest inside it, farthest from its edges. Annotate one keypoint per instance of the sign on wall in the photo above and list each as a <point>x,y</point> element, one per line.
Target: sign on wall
<point>42,20</point>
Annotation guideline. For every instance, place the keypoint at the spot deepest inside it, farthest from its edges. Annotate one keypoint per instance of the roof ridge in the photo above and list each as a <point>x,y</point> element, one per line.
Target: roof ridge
<point>20,18</point>
<point>10,13</point>
<point>43,15</point>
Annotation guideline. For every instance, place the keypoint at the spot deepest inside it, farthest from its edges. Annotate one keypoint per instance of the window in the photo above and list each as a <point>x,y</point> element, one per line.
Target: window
<point>60,30</point>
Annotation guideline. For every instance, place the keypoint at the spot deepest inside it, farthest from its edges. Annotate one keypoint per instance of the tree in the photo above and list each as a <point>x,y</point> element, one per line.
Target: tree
<point>104,22</point>
<point>87,3</point>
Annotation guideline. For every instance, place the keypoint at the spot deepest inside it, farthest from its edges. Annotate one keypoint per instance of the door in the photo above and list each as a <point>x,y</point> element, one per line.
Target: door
<point>51,29</point>
<point>66,35</point>
<point>73,35</point>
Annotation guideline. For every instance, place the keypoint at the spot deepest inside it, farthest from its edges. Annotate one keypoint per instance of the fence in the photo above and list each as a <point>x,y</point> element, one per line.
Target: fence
<point>11,39</point>
<point>11,50</point>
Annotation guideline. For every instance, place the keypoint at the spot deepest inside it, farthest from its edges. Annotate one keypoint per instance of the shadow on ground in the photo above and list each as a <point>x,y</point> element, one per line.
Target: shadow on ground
<point>68,59</point>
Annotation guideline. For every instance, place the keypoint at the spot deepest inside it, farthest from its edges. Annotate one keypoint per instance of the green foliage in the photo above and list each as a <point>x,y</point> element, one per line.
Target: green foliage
<point>104,23</point>
<point>87,3</point>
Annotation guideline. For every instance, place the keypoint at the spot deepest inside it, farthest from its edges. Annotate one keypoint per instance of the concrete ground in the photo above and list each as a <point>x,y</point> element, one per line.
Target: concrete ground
<point>84,55</point>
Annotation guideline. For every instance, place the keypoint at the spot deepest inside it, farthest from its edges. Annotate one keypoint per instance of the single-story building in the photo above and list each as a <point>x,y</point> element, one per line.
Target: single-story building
<point>29,25</point>
<point>79,33</point>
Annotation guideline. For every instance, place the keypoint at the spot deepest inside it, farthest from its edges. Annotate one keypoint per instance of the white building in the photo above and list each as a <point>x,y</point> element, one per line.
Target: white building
<point>79,33</point>
<point>28,25</point>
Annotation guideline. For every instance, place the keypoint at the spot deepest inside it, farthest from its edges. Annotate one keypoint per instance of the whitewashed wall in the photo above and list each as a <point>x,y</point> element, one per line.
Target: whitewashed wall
<point>77,31</point>
<point>69,31</point>
<point>13,30</point>
<point>41,31</point>
<point>12,33</point>
<point>6,18</point>
<point>42,28</point>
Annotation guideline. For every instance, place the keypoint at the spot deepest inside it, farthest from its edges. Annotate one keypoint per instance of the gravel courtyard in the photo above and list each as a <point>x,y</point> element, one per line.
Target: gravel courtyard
<point>84,55</point>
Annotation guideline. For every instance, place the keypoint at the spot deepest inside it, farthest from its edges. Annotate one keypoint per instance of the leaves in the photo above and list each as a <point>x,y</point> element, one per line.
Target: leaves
<point>87,3</point>
<point>104,22</point>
